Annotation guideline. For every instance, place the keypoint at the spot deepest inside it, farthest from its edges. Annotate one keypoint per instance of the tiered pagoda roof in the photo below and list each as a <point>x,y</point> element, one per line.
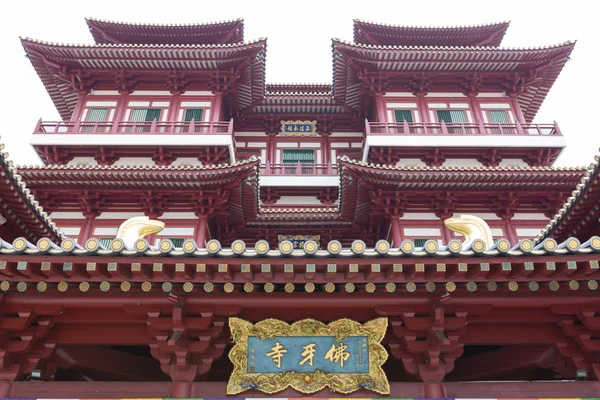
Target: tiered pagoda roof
<point>372,33</point>
<point>111,32</point>
<point>68,69</point>
<point>580,214</point>
<point>530,71</point>
<point>180,188</point>
<point>22,213</point>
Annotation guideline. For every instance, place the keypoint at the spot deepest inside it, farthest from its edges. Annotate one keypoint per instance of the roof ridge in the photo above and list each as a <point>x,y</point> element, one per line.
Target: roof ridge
<point>355,20</point>
<point>185,24</point>
<point>453,48</point>
<point>458,169</point>
<point>143,45</point>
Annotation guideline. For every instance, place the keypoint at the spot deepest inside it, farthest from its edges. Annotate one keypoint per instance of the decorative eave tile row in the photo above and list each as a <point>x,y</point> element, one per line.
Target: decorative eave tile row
<point>428,269</point>
<point>583,202</point>
<point>334,248</point>
<point>30,216</point>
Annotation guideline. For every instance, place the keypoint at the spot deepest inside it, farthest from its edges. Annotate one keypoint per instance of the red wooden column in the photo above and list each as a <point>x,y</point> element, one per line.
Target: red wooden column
<point>380,106</point>
<point>86,229</point>
<point>396,231</point>
<point>517,109</point>
<point>511,234</point>
<point>200,231</point>
<point>216,108</point>
<point>422,108</point>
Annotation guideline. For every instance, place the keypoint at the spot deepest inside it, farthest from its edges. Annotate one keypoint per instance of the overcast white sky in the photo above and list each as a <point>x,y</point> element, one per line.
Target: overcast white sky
<point>299,48</point>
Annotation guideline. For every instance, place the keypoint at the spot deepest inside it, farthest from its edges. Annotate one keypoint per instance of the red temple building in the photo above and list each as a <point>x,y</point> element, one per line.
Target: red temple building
<point>295,201</point>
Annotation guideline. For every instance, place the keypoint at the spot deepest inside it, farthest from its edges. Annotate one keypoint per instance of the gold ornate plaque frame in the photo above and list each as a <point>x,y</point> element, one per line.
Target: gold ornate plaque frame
<point>310,382</point>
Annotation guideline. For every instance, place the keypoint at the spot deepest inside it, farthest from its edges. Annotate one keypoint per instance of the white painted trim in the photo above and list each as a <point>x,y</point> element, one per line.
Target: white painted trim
<point>103,231</point>
<point>138,104</point>
<point>287,145</point>
<point>401,105</point>
<point>104,93</point>
<point>399,94</point>
<point>195,104</point>
<point>346,134</point>
<point>491,95</point>
<point>356,145</point>
<point>299,180</point>
<point>419,217</point>
<point>101,104</point>
<point>151,93</point>
<point>310,144</point>
<point>296,200</point>
<point>459,105</point>
<point>529,216</point>
<point>445,95</point>
<point>422,232</point>
<point>66,215</point>
<point>179,231</point>
<point>256,145</point>
<point>198,93</point>
<point>489,141</point>
<point>493,106</point>
<point>121,216</point>
<point>528,232</point>
<point>70,230</point>
<point>162,104</point>
<point>339,145</point>
<point>259,134</point>
<point>178,215</point>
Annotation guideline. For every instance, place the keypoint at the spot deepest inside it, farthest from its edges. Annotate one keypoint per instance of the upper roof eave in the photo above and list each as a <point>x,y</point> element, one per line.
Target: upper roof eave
<point>36,221</point>
<point>104,31</point>
<point>491,33</point>
<point>572,216</point>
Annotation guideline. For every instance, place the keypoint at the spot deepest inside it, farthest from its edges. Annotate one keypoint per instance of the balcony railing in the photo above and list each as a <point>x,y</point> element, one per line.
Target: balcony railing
<point>298,169</point>
<point>138,127</point>
<point>442,128</point>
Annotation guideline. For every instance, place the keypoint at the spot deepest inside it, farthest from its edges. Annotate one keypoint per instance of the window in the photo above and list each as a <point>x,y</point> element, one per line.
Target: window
<point>193,114</point>
<point>420,242</point>
<point>500,117</point>
<point>403,115</point>
<point>145,115</point>
<point>295,157</point>
<point>105,242</point>
<point>94,115</point>
<point>177,242</point>
<point>452,116</point>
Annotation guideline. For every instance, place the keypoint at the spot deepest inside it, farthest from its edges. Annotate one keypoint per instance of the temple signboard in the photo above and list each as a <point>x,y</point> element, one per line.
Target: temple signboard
<point>299,240</point>
<point>299,128</point>
<point>308,355</point>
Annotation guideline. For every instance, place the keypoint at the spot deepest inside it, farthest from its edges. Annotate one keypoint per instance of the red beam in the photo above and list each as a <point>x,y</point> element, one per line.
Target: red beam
<point>14,301</point>
<point>112,390</point>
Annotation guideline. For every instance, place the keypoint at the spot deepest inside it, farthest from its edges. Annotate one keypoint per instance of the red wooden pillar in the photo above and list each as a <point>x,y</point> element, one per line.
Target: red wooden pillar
<point>326,148</point>
<point>396,231</point>
<point>447,234</point>
<point>422,108</point>
<point>511,234</point>
<point>434,390</point>
<point>78,107</point>
<point>517,109</point>
<point>216,109</point>
<point>181,390</point>
<point>380,106</point>
<point>120,110</point>
<point>200,236</point>
<point>173,108</point>
<point>86,230</point>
